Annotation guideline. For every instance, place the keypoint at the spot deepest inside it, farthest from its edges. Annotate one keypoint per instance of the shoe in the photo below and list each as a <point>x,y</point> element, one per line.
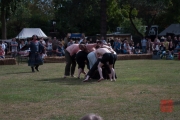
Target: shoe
<point>32,69</point>
<point>73,76</point>
<point>86,80</point>
<point>37,69</point>
<point>100,79</point>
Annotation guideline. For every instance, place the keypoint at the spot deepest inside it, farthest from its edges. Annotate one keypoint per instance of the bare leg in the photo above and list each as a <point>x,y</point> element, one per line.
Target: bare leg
<point>111,75</point>
<point>112,72</point>
<point>86,79</point>
<point>79,72</point>
<point>100,71</point>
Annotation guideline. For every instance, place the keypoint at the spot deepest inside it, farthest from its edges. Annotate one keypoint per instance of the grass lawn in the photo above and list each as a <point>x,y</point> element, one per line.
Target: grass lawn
<point>45,95</point>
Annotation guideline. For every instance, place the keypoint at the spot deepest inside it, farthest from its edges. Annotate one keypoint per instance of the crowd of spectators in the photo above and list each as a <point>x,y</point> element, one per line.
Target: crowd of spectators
<point>53,46</point>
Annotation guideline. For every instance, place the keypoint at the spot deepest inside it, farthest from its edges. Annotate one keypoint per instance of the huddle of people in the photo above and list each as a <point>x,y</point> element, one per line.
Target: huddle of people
<point>98,57</point>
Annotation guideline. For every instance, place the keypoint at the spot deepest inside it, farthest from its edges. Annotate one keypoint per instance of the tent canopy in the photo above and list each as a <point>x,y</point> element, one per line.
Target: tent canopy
<point>173,29</point>
<point>29,32</point>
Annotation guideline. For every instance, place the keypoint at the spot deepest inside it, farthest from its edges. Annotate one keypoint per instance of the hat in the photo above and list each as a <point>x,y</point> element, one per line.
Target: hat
<point>162,37</point>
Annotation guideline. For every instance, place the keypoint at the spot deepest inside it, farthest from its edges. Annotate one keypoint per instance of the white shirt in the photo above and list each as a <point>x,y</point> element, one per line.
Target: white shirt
<point>3,46</point>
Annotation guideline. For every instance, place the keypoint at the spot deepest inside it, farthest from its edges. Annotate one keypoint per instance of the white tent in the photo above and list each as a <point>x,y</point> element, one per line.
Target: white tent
<point>29,32</point>
<point>7,40</point>
<point>173,28</point>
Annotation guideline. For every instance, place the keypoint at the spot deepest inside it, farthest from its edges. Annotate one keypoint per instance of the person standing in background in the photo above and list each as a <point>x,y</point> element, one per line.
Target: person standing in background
<point>144,44</point>
<point>14,46</point>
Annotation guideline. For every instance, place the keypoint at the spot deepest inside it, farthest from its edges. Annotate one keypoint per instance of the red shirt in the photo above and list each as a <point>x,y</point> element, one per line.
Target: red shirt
<point>1,52</point>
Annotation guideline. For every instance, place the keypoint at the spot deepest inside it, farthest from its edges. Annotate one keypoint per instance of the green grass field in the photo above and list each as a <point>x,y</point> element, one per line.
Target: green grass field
<point>45,95</point>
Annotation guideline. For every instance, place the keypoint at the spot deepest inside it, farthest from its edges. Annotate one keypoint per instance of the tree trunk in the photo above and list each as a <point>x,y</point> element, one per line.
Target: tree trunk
<point>3,22</point>
<point>103,18</point>
<point>133,25</point>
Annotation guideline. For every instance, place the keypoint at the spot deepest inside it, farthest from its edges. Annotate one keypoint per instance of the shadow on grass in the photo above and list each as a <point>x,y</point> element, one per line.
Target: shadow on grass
<point>68,81</point>
<point>20,72</point>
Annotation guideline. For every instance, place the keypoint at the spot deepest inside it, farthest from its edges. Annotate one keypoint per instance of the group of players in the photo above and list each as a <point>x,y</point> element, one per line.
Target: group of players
<point>98,57</point>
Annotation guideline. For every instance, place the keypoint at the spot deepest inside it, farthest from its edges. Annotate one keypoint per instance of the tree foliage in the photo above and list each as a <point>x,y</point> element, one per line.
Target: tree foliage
<point>87,16</point>
<point>6,6</point>
<point>147,10</point>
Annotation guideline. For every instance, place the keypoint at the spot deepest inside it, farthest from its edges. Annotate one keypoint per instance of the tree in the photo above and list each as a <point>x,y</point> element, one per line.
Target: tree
<point>31,13</point>
<point>147,10</point>
<point>170,15</point>
<point>6,6</point>
<point>77,16</point>
<point>18,19</point>
<point>103,4</point>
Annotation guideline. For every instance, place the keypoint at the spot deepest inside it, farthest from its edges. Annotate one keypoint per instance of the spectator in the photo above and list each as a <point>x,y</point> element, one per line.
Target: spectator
<point>155,48</point>
<point>175,42</point>
<point>22,44</point>
<point>76,41</point>
<point>171,48</point>
<point>129,48</point>
<point>137,49</point>
<point>70,42</point>
<point>169,38</point>
<point>125,47</point>
<point>85,41</point>
<point>90,40</point>
<point>149,46</point>
<point>177,49</point>
<point>43,41</point>
<point>162,50</point>
<point>3,45</point>
<point>81,40</point>
<point>117,46</point>
<point>60,50</point>
<point>14,46</point>
<point>112,42</point>
<point>49,47</point>
<point>2,52</point>
<point>144,45</point>
<point>54,43</point>
<point>24,52</point>
<point>166,43</point>
<point>162,39</point>
<point>103,40</point>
